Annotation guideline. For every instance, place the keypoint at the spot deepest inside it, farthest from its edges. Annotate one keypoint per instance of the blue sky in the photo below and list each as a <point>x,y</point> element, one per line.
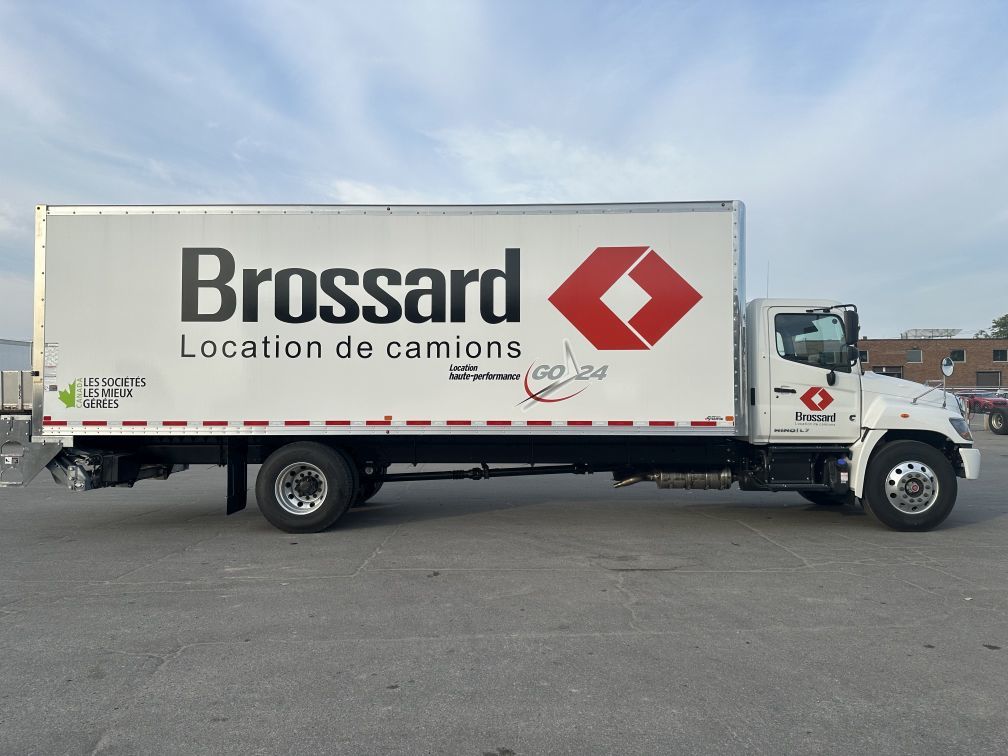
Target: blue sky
<point>868,140</point>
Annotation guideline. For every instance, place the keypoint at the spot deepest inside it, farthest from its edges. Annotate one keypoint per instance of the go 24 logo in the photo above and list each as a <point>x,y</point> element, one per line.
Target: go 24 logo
<point>557,383</point>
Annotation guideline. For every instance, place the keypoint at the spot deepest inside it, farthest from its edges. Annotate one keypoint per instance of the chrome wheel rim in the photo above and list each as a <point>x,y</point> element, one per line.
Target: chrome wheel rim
<point>912,487</point>
<point>300,488</point>
<point>997,421</point>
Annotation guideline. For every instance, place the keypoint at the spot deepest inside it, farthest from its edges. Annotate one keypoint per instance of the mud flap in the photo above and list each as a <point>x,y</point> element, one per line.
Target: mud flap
<point>237,474</point>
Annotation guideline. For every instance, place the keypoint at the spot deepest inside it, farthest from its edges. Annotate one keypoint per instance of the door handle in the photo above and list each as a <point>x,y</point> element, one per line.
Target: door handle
<point>779,390</point>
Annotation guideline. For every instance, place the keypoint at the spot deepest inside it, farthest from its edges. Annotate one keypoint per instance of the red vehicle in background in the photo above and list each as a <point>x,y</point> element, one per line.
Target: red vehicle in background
<point>995,406</point>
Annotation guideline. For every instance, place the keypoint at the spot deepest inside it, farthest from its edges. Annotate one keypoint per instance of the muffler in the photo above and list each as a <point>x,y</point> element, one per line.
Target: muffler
<point>703,480</point>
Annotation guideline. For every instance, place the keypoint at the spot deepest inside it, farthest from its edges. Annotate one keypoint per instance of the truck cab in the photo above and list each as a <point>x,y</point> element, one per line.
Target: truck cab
<point>807,391</point>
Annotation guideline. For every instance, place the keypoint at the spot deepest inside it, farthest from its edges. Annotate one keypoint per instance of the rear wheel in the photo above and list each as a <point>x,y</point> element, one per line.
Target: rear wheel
<point>305,487</point>
<point>997,422</point>
<point>910,486</point>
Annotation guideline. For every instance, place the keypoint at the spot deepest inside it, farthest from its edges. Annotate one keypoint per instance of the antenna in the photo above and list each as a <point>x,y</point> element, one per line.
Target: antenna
<point>768,279</point>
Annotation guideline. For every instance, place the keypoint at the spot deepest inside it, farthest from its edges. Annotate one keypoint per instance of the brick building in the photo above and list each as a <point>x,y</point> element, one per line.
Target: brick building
<point>978,362</point>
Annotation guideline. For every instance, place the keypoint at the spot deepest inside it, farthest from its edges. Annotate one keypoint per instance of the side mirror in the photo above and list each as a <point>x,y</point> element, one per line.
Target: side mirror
<point>852,326</point>
<point>947,366</point>
<point>852,354</point>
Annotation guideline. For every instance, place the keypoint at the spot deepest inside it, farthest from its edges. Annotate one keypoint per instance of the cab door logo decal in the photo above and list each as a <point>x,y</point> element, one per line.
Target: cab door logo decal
<point>816,399</point>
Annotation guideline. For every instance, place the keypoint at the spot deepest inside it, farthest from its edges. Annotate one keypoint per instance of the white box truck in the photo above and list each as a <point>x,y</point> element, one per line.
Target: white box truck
<point>329,343</point>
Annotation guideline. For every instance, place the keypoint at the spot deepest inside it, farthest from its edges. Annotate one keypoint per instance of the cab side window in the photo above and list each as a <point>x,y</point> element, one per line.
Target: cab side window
<point>812,338</point>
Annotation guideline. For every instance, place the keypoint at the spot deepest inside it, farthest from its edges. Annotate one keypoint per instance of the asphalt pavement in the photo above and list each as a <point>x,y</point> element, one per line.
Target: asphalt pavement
<point>513,616</point>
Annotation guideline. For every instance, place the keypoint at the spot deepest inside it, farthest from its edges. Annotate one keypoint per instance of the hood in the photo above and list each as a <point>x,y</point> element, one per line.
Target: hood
<point>886,385</point>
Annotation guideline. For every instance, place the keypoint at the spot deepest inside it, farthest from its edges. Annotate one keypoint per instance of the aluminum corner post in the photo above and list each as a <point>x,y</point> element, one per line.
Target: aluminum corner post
<point>38,338</point>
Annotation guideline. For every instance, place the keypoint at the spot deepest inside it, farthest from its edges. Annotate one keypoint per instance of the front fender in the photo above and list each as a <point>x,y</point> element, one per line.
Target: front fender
<point>888,415</point>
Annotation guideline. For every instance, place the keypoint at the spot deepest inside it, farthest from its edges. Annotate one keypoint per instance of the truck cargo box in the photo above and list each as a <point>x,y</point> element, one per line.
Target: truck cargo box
<point>218,320</point>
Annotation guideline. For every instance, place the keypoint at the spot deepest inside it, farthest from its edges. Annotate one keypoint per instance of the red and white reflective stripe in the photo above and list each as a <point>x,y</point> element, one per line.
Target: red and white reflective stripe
<point>387,422</point>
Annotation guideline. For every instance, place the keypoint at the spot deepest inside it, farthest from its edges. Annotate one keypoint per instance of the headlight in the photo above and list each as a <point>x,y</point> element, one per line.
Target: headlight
<point>962,427</point>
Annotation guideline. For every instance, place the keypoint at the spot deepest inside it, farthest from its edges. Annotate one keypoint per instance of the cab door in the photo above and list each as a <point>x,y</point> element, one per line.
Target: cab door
<point>815,396</point>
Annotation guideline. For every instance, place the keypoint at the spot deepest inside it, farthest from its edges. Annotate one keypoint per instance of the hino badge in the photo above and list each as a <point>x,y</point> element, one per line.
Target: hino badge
<point>328,343</point>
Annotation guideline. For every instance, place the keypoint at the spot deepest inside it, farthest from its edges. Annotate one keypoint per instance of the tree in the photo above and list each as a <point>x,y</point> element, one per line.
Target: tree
<point>998,329</point>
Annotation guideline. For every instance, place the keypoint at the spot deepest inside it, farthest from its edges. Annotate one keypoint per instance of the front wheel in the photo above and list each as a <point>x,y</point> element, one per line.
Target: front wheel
<point>997,422</point>
<point>305,487</point>
<point>910,486</point>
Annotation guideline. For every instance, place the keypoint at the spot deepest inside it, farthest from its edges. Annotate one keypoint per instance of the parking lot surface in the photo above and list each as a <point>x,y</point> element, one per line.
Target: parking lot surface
<point>508,616</point>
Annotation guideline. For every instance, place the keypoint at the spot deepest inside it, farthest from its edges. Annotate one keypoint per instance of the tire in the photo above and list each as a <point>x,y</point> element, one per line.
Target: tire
<point>305,487</point>
<point>825,499</point>
<point>367,490</point>
<point>997,422</point>
<point>909,485</point>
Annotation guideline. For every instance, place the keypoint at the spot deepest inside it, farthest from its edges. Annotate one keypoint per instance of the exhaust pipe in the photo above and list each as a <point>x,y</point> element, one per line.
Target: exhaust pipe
<point>629,481</point>
<point>705,480</point>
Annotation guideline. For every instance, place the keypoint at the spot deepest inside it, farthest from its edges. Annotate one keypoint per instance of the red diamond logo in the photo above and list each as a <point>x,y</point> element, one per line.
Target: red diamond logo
<point>579,298</point>
<point>817,398</point>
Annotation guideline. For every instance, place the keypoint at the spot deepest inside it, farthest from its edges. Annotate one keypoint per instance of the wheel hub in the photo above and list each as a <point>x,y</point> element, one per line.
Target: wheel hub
<point>912,487</point>
<point>300,488</point>
<point>306,486</point>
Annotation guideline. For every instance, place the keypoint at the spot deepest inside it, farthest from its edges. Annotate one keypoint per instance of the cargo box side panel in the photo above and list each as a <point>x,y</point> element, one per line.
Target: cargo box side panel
<point>419,320</point>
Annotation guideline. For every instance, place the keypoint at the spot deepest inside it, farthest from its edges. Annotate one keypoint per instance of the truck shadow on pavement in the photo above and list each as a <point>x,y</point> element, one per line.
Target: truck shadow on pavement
<point>417,506</point>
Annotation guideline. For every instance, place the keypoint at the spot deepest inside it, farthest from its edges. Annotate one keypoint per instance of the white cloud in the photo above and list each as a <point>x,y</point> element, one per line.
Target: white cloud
<point>348,192</point>
<point>11,222</point>
<point>525,164</point>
